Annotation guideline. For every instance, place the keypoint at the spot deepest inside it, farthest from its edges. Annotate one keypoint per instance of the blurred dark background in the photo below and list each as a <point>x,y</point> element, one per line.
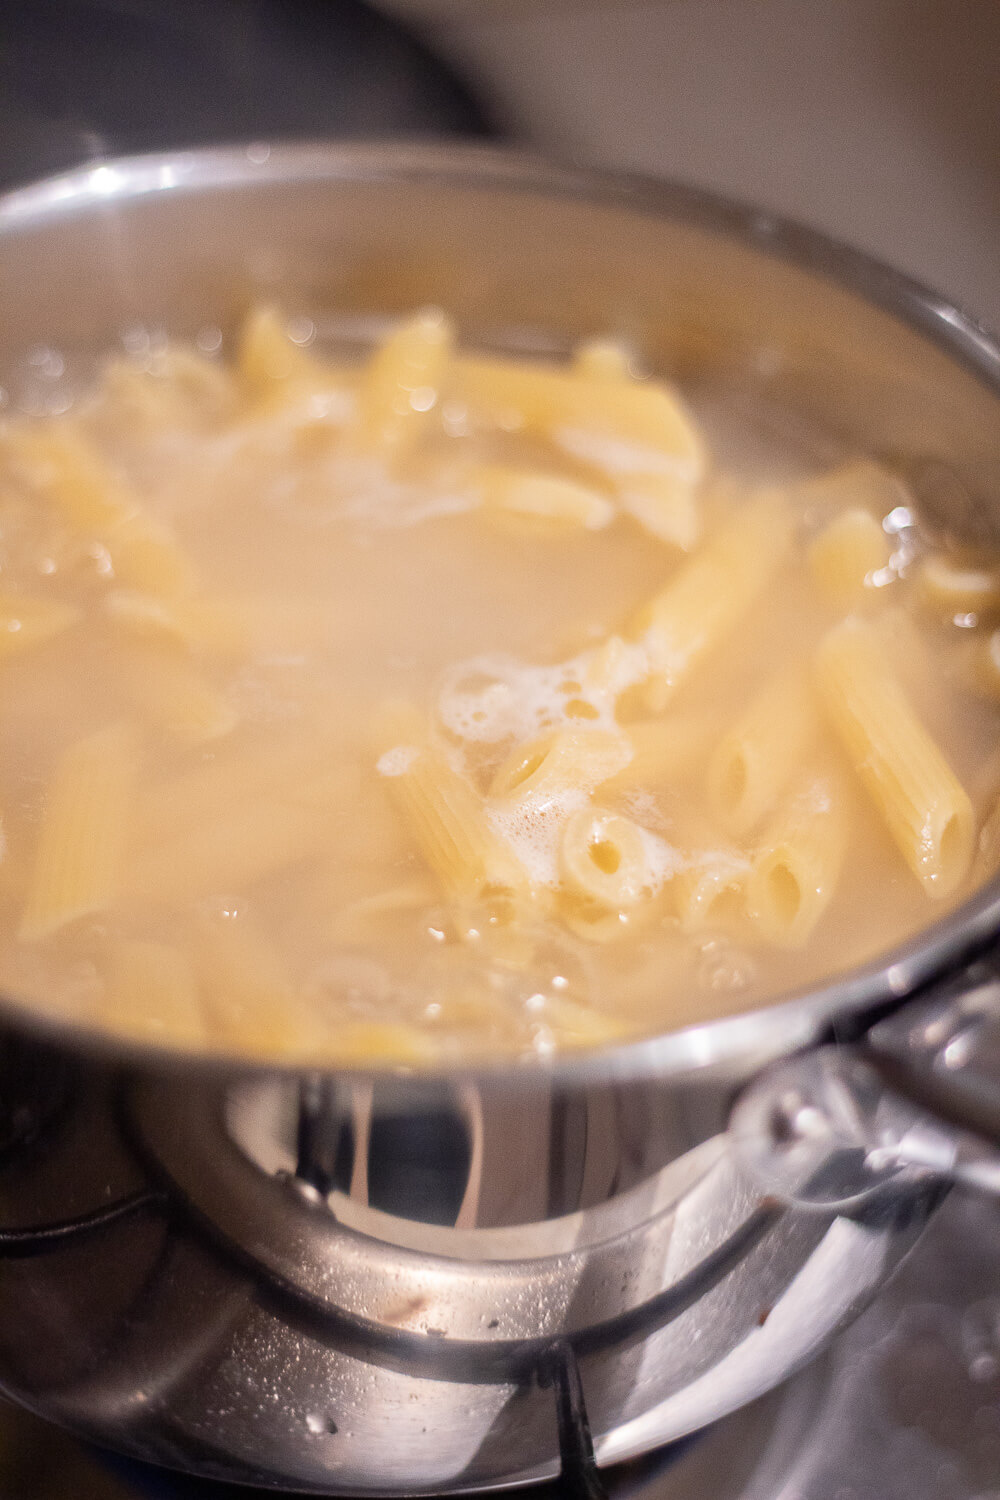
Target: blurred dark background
<point>876,120</point>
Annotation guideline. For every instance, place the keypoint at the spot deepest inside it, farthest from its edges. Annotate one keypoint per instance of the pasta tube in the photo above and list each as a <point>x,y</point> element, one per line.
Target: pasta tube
<point>82,836</point>
<point>921,801</point>
<point>846,554</point>
<point>242,842</point>
<point>279,374</point>
<point>664,505</point>
<point>90,496</point>
<point>709,889</point>
<point>563,760</point>
<point>706,599</point>
<point>249,1001</point>
<point>401,383</point>
<point>754,761</point>
<point>533,496</point>
<point>603,858</point>
<point>602,359</point>
<point>663,750</point>
<point>447,819</point>
<point>795,873</point>
<point>164,685</point>
<point>639,426</point>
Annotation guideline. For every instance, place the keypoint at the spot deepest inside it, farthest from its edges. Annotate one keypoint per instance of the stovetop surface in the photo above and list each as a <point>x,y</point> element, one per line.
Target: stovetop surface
<point>905,1406</point>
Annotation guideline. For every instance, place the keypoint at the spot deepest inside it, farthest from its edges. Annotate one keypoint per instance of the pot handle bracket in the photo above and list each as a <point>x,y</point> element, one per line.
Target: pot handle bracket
<point>915,1102</point>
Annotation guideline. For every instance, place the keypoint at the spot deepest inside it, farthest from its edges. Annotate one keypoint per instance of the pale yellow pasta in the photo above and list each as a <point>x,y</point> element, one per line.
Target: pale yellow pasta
<point>861,482</point>
<point>709,890</point>
<point>27,621</point>
<point>447,820</point>
<point>637,425</point>
<point>560,761</point>
<point>176,387</point>
<point>279,374</point>
<point>794,875</point>
<point>401,383</point>
<point>543,498</point>
<point>602,359</point>
<point>242,842</point>
<point>664,505</point>
<point>919,797</point>
<point>664,750</point>
<point>602,857</point>
<point>167,688</point>
<point>709,595</point>
<point>81,841</point>
<point>987,858</point>
<point>70,474</point>
<point>754,761</point>
<point>846,555</point>
<point>984,675</point>
<point>247,995</point>
<point>949,587</point>
<point>162,974</point>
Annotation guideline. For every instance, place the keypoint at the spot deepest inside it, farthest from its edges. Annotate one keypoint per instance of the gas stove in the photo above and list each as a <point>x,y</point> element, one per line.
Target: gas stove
<point>904,1406</point>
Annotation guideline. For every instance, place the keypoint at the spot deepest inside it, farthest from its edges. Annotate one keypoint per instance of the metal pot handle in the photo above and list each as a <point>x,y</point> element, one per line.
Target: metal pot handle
<point>840,1128</point>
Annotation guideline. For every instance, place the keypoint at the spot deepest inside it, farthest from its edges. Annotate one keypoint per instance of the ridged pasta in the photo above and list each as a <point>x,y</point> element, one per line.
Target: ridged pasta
<point>846,554</point>
<point>85,824</point>
<point>794,875</point>
<point>166,687</point>
<point>240,842</point>
<point>562,760</point>
<point>602,359</point>
<point>71,475</point>
<point>602,858</point>
<point>278,374</point>
<point>664,750</point>
<point>447,820</point>
<point>400,385</point>
<point>711,592</point>
<point>637,425</point>
<point>709,890</point>
<point>754,761</point>
<point>543,498</point>
<point>919,797</point>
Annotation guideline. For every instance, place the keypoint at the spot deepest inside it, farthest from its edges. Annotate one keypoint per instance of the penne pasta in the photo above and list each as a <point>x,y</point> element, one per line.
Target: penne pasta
<point>447,820</point>
<point>919,797</point>
<point>665,506</point>
<point>709,595</point>
<point>241,842</point>
<point>602,359</point>
<point>636,426</point>
<point>603,859</point>
<point>563,760</point>
<point>754,761</point>
<point>795,872</point>
<point>401,384</point>
<point>709,890</point>
<point>664,750</point>
<point>847,556</point>
<point>281,375</point>
<point>82,835</point>
<point>248,998</point>
<point>71,475</point>
<point>543,498</point>
<point>164,686</point>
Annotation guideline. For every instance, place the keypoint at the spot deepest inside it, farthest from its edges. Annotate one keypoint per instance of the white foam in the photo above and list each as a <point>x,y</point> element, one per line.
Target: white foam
<point>397,761</point>
<point>532,828</point>
<point>491,698</point>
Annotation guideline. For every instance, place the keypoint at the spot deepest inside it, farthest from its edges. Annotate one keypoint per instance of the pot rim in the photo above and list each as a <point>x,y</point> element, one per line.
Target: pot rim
<point>844,1004</point>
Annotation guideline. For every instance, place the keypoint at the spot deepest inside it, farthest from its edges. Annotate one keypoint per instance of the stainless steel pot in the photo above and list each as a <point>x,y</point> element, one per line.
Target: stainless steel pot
<point>389,1285</point>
